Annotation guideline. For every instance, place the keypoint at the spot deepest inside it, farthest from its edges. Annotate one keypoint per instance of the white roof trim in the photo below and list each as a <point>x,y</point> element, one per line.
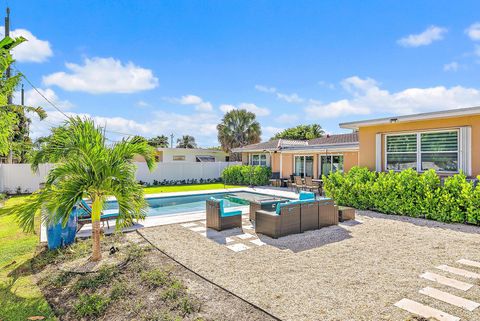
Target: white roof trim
<point>416,117</point>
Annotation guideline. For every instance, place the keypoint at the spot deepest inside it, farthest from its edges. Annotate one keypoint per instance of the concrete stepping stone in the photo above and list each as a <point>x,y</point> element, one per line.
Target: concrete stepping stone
<point>257,242</point>
<point>238,247</point>
<point>450,298</point>
<point>229,240</point>
<point>425,311</point>
<point>245,236</point>
<point>198,229</point>
<point>189,225</point>
<point>446,281</point>
<point>458,271</point>
<point>469,263</point>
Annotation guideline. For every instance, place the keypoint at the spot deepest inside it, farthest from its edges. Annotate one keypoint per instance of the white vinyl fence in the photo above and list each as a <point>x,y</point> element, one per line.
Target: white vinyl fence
<point>19,177</point>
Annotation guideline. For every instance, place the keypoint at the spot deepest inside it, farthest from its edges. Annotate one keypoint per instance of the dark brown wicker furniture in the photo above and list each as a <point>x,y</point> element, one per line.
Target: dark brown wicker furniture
<point>267,205</point>
<point>277,225</point>
<point>218,222</point>
<point>346,213</point>
<point>308,216</point>
<point>327,213</point>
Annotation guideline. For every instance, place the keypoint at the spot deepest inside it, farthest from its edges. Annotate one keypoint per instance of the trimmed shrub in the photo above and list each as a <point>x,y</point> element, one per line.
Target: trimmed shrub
<point>246,175</point>
<point>407,193</point>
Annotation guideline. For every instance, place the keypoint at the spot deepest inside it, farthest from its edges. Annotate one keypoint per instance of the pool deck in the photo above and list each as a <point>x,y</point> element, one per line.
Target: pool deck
<point>151,221</point>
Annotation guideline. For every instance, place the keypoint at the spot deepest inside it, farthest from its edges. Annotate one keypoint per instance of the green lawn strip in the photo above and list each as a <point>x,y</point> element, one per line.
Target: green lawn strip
<point>20,297</point>
<point>186,188</point>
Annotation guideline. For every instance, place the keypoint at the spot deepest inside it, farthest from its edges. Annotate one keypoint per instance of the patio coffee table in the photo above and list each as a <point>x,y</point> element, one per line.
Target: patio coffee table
<point>267,204</point>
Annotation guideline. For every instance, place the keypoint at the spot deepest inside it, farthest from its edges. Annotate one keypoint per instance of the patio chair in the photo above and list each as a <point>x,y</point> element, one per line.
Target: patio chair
<point>220,220</point>
<point>298,183</point>
<point>84,215</point>
<point>311,186</point>
<point>327,213</point>
<point>284,221</point>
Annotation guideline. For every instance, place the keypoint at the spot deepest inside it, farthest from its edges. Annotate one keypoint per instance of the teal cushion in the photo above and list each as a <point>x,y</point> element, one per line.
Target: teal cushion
<point>85,206</point>
<point>109,215</point>
<point>220,202</point>
<point>306,195</point>
<point>232,213</point>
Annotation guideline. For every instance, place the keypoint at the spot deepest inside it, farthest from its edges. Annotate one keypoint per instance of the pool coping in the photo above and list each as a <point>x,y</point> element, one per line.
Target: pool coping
<point>151,221</point>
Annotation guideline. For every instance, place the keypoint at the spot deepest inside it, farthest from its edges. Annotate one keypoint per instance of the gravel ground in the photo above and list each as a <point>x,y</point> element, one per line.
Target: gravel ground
<point>354,271</point>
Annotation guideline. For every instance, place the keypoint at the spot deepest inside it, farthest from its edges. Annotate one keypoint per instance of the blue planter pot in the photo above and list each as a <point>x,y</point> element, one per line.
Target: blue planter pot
<point>58,236</point>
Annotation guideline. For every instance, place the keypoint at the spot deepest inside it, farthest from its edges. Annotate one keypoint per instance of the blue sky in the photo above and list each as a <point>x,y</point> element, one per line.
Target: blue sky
<point>161,67</point>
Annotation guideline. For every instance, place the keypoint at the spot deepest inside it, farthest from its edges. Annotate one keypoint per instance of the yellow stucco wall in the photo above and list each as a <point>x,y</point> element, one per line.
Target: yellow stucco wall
<point>367,136</point>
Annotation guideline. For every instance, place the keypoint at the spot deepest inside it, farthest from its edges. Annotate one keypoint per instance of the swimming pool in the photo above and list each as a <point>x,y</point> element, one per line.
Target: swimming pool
<point>175,205</point>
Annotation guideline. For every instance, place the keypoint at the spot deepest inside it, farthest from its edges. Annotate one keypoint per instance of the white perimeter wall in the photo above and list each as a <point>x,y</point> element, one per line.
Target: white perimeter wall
<point>13,176</point>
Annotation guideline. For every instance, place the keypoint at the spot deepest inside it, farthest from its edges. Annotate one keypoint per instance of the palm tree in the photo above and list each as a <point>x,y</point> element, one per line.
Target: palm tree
<point>238,128</point>
<point>186,141</point>
<point>159,141</point>
<point>87,167</point>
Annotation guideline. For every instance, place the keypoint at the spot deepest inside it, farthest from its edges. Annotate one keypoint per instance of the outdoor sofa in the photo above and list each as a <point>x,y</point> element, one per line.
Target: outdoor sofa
<point>218,219</point>
<point>297,216</point>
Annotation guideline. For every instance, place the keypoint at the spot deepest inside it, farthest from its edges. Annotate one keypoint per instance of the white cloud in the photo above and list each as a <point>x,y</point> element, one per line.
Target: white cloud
<point>431,34</point>
<point>103,75</point>
<point>265,89</point>
<point>193,100</point>
<point>34,99</point>
<point>258,111</point>
<point>326,84</point>
<point>142,103</point>
<point>368,97</point>
<point>200,125</point>
<point>32,50</point>
<point>452,66</point>
<point>474,31</point>
<point>289,98</point>
<point>287,118</point>
<point>270,131</point>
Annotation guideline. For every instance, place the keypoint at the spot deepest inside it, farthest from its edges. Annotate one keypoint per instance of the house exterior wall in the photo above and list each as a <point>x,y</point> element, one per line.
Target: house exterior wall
<point>367,137</point>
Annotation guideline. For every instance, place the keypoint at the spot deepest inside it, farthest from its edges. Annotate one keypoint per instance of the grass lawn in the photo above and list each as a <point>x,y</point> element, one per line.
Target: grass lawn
<point>20,297</point>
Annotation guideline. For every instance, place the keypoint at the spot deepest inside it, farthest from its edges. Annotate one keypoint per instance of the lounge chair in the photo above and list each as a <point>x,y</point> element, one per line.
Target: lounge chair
<point>284,221</point>
<point>298,183</point>
<point>84,215</point>
<point>218,219</point>
<point>311,186</point>
<point>327,213</point>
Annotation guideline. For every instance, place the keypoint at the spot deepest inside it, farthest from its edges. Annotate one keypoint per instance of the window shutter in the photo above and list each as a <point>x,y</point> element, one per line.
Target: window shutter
<point>378,152</point>
<point>465,150</point>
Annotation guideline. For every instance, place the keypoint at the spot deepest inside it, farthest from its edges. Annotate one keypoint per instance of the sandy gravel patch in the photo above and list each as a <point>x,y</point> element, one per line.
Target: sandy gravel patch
<point>355,271</point>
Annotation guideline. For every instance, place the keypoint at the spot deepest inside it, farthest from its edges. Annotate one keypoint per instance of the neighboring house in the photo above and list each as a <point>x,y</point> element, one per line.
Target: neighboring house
<point>314,157</point>
<point>168,155</point>
<point>447,141</point>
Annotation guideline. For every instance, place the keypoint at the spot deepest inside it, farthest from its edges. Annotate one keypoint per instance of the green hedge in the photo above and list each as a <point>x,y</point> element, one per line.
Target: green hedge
<point>407,193</point>
<point>246,175</point>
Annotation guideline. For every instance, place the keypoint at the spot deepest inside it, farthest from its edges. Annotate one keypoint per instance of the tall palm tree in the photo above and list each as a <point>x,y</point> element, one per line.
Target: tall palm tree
<point>87,167</point>
<point>186,141</point>
<point>159,141</point>
<point>238,128</point>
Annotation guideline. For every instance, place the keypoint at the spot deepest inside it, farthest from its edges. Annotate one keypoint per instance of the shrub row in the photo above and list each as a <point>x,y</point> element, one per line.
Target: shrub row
<point>166,182</point>
<point>409,193</point>
<point>246,175</point>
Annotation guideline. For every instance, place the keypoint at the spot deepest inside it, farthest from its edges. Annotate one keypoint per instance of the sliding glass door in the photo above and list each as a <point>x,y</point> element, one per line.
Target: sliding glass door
<point>303,166</point>
<point>331,163</point>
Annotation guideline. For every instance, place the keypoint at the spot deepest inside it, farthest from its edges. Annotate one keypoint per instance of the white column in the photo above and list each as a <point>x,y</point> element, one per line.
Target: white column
<point>378,152</point>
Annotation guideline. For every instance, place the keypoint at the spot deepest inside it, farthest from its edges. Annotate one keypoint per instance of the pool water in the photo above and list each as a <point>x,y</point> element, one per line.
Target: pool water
<point>194,203</point>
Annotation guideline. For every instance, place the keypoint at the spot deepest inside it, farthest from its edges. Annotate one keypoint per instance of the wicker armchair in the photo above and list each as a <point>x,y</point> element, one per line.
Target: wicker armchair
<point>285,221</point>
<point>218,219</point>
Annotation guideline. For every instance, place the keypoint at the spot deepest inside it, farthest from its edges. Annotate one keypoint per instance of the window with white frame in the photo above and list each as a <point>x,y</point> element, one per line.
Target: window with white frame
<point>330,164</point>
<point>438,150</point>
<point>259,159</point>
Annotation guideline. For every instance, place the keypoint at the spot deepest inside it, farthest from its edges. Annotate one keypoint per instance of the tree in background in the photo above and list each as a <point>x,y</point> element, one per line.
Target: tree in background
<point>14,124</point>
<point>237,129</point>
<point>159,141</point>
<point>301,132</point>
<point>87,166</point>
<point>186,141</point>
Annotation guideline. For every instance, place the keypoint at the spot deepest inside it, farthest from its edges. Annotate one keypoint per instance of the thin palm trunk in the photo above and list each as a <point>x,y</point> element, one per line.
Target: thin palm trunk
<point>96,229</point>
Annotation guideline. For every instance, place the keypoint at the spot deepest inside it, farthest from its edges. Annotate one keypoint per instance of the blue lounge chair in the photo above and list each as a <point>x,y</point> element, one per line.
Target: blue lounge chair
<point>84,214</point>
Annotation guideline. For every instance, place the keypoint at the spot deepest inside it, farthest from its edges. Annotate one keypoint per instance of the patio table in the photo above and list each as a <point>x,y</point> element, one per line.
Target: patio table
<point>267,203</point>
